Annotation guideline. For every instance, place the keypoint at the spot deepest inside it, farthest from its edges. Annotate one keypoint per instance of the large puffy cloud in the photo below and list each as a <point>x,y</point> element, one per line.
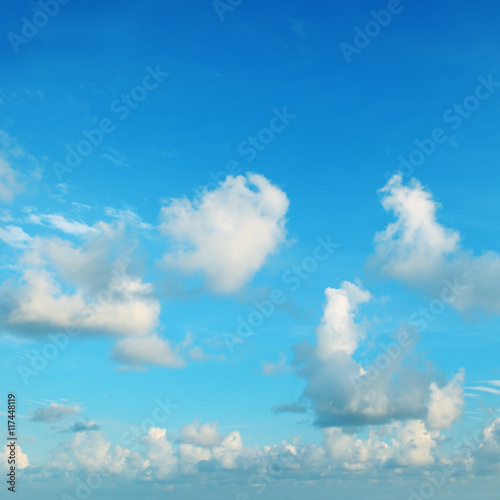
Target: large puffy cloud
<point>226,234</point>
<point>85,287</point>
<point>416,245</point>
<point>90,285</point>
<point>346,392</point>
<point>40,303</point>
<point>418,251</point>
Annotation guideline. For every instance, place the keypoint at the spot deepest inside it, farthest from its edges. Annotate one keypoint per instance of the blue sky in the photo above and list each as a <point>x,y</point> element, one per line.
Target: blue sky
<point>269,266</point>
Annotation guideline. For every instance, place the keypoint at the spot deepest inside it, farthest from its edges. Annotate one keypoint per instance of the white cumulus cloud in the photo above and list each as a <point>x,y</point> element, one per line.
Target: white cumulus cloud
<point>389,387</point>
<point>420,252</point>
<point>227,233</point>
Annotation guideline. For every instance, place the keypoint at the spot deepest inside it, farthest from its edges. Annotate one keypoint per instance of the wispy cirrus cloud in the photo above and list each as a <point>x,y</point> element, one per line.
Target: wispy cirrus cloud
<point>14,236</point>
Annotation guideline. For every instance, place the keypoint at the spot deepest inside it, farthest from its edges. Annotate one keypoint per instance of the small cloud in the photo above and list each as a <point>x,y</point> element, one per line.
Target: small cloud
<point>128,216</point>
<point>69,227</point>
<point>279,368</point>
<point>80,206</point>
<point>83,427</point>
<point>197,354</point>
<point>116,158</point>
<point>55,412</point>
<point>290,408</point>
<point>188,340</point>
<point>63,187</point>
<point>60,222</point>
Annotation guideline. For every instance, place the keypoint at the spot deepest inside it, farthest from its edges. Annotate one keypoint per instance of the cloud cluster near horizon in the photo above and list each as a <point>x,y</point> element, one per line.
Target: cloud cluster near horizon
<point>90,278</point>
